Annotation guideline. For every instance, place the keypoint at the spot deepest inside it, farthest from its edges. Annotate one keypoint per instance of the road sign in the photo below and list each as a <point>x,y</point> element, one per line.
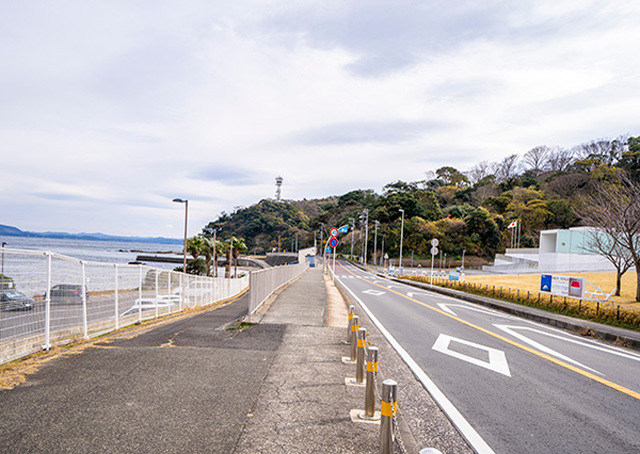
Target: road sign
<point>434,250</point>
<point>333,232</point>
<point>434,243</point>
<point>328,250</point>
<point>333,242</point>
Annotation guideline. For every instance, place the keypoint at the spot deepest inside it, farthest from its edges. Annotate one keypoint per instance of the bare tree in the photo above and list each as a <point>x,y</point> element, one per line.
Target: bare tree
<point>601,242</point>
<point>479,171</point>
<point>536,159</point>
<point>615,208</point>
<point>507,168</point>
<point>560,159</point>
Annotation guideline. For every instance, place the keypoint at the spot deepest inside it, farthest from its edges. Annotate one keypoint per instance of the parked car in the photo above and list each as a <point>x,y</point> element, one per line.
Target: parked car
<point>67,293</point>
<point>164,303</point>
<point>13,300</point>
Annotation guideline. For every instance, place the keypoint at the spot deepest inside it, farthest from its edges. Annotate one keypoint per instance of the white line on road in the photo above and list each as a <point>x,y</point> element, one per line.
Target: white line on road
<point>468,432</point>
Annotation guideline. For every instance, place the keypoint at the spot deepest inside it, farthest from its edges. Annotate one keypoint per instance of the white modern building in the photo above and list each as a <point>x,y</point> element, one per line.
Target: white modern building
<point>561,251</point>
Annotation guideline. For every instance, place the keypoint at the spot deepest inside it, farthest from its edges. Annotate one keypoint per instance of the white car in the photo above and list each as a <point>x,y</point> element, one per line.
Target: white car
<point>166,303</point>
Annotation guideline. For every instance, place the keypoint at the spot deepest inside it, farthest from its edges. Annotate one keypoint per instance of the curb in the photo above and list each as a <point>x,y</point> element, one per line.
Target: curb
<point>598,330</point>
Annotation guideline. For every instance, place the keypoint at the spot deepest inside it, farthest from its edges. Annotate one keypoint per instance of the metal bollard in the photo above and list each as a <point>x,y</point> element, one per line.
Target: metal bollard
<point>369,413</point>
<point>388,410</point>
<point>355,325</point>
<point>362,341</point>
<point>352,310</point>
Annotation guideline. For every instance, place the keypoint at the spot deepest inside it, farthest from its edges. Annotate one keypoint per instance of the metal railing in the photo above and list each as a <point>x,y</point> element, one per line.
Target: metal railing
<point>49,299</point>
<point>265,282</point>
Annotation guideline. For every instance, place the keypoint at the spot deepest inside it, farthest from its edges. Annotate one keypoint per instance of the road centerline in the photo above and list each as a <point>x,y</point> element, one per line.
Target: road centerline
<point>589,375</point>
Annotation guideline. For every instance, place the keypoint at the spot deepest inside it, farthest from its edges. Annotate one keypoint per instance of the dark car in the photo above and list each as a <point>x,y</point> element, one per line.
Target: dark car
<point>67,293</point>
<point>13,300</point>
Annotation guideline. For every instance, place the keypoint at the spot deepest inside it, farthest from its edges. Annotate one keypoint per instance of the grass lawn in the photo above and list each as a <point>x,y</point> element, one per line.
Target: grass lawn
<point>531,282</point>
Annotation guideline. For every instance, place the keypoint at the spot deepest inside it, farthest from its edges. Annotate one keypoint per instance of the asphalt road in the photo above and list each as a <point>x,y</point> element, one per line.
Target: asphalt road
<point>523,387</point>
<point>185,386</point>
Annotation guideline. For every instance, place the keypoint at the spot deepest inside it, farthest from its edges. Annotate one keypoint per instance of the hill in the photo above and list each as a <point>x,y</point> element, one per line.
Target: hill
<point>467,211</point>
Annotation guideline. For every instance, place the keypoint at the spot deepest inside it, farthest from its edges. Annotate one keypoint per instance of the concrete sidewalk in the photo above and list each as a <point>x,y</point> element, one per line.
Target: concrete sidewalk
<point>304,404</point>
<point>190,385</point>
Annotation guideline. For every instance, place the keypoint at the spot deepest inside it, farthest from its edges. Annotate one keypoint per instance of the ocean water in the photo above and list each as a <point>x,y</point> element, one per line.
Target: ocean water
<point>120,252</point>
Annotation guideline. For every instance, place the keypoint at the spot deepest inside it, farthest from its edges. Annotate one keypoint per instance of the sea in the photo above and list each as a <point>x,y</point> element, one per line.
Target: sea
<point>120,252</point>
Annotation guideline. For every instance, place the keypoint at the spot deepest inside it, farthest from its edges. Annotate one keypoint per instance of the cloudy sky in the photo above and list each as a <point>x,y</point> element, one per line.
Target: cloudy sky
<point>110,109</point>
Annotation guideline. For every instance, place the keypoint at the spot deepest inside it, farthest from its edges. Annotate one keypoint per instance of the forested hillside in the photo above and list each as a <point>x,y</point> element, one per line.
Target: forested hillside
<point>466,210</point>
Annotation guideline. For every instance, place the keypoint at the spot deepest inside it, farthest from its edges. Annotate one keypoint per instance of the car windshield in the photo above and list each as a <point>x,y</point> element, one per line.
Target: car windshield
<point>15,295</point>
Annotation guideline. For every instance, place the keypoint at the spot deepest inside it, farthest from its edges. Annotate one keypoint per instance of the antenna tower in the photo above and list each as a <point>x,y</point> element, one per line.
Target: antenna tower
<point>279,181</point>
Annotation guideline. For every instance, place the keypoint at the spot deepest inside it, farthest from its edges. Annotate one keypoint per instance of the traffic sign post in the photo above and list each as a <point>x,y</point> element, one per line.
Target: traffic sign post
<point>434,251</point>
<point>333,242</point>
<point>333,232</point>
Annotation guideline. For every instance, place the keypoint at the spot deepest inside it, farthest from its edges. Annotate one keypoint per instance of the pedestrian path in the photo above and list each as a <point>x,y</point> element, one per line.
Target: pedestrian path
<point>191,385</point>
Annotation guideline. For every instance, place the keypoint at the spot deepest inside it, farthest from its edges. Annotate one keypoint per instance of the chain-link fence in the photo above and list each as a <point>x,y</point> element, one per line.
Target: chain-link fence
<point>265,282</point>
<point>49,299</point>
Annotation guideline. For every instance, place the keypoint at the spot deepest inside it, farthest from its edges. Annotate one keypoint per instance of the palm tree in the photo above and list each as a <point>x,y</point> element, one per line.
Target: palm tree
<point>208,251</point>
<point>195,247</point>
<point>226,249</point>
<point>238,246</point>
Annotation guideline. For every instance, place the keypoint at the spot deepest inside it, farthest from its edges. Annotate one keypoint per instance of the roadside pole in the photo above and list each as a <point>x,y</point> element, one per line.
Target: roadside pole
<point>434,252</point>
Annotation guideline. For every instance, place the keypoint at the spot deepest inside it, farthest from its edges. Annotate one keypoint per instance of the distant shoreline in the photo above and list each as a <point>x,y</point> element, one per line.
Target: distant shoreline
<point>6,230</point>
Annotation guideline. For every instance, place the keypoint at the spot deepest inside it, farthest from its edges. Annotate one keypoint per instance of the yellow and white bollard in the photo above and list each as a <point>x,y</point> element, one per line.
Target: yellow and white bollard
<point>388,411</point>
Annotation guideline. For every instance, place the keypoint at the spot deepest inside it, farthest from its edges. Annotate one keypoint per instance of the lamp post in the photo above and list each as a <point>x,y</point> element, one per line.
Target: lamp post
<point>375,243</point>
<point>353,234</point>
<point>366,235</point>
<point>2,272</point>
<point>184,246</point>
<point>401,235</point>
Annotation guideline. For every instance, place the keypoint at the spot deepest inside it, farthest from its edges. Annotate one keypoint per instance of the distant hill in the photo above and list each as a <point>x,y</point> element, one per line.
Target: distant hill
<point>7,230</point>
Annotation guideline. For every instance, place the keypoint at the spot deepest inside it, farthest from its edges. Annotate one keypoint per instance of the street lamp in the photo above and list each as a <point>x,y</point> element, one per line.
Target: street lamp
<point>401,234</point>
<point>375,243</point>
<point>2,272</point>
<point>365,213</point>
<point>184,246</point>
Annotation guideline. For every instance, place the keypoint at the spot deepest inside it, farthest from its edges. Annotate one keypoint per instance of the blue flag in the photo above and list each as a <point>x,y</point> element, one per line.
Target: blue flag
<point>344,229</point>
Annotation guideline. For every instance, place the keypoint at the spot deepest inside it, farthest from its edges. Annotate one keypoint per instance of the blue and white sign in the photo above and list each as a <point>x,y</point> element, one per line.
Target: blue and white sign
<point>344,229</point>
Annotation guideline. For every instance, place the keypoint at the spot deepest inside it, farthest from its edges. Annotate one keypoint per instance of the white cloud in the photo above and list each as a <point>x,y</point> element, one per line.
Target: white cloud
<point>112,109</point>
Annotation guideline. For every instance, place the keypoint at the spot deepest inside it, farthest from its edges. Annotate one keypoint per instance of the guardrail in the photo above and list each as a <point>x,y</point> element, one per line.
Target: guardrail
<point>264,283</point>
<point>50,299</point>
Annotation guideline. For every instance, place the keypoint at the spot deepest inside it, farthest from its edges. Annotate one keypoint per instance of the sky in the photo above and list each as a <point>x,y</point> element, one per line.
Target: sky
<point>111,109</point>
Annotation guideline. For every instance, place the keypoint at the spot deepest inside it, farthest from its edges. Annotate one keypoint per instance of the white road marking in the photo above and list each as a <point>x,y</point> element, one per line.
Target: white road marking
<point>447,308</point>
<point>468,432</point>
<point>412,294</point>
<point>523,338</point>
<point>497,358</point>
<point>373,292</point>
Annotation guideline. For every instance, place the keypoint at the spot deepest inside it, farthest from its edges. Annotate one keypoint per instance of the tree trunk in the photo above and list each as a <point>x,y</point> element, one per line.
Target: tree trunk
<point>215,263</point>
<point>638,282</point>
<point>618,281</point>
<point>227,266</point>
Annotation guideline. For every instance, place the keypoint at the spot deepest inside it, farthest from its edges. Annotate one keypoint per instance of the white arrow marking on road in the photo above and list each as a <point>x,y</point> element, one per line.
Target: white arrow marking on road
<point>447,308</point>
<point>497,358</point>
<point>523,338</point>
<point>373,292</point>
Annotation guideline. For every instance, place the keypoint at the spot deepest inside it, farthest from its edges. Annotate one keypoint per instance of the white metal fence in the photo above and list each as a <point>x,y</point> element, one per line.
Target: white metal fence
<point>264,282</point>
<point>50,299</point>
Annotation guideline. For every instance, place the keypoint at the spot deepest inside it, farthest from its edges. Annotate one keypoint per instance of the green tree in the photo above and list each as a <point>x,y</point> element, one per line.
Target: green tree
<point>238,246</point>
